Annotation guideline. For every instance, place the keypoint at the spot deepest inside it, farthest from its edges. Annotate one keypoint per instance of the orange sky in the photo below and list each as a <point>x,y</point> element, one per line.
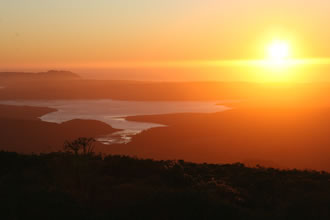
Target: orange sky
<point>159,39</point>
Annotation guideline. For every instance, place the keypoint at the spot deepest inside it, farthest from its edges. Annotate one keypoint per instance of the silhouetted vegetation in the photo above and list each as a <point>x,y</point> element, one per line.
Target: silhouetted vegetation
<point>82,145</point>
<point>67,186</point>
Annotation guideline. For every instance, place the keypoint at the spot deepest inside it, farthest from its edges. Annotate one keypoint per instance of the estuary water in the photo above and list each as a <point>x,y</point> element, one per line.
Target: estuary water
<point>114,113</point>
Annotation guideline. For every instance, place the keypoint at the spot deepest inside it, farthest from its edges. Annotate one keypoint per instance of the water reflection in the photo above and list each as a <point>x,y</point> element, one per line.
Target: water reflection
<point>113,113</point>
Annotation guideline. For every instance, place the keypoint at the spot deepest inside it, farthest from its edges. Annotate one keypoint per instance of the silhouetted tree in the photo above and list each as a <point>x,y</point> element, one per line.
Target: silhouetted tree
<point>86,145</point>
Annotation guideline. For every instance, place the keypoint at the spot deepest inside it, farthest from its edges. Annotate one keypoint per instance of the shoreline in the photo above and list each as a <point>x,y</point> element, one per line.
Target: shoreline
<point>23,130</point>
<point>115,112</point>
<point>287,137</point>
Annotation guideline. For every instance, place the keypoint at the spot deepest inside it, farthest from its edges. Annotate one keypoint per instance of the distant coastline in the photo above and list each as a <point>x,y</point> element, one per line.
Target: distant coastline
<point>114,113</point>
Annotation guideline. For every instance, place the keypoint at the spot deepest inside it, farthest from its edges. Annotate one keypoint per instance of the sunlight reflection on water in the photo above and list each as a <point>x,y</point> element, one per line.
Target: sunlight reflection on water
<point>113,113</point>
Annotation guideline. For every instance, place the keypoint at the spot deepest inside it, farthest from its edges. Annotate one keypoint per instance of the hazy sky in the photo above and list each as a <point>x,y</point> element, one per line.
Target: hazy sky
<point>83,32</point>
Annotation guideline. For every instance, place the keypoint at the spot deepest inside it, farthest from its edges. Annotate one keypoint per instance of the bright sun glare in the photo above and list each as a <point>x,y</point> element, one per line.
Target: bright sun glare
<point>278,52</point>
<point>277,61</point>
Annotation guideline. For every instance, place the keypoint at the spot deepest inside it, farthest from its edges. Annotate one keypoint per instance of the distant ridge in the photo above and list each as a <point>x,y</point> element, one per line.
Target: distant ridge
<point>51,74</point>
<point>58,73</point>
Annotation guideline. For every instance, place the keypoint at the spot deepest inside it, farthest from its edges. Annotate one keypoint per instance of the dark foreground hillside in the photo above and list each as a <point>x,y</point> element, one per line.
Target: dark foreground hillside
<point>64,186</point>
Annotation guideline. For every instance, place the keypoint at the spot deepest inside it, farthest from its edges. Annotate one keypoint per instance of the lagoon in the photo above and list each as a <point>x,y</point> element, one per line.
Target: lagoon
<point>114,113</point>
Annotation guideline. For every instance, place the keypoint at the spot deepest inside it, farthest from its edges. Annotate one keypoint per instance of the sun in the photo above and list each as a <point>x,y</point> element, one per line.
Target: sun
<point>278,51</point>
<point>278,63</point>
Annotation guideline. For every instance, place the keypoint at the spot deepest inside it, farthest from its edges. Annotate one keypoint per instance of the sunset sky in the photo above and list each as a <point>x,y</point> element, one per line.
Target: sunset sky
<point>203,35</point>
